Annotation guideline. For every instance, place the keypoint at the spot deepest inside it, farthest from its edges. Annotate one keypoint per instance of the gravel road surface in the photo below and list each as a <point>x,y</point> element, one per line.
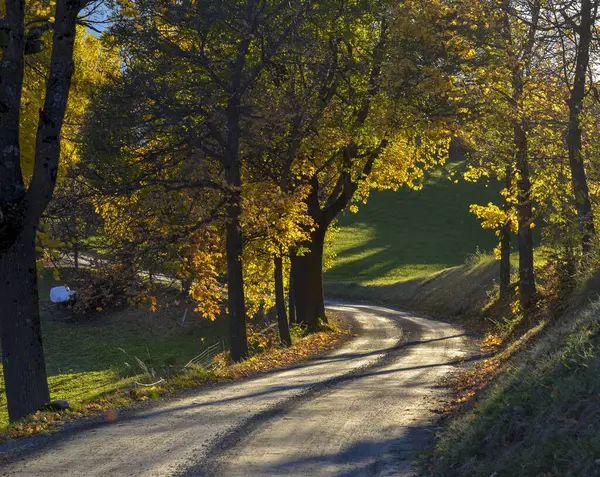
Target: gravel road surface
<point>363,409</point>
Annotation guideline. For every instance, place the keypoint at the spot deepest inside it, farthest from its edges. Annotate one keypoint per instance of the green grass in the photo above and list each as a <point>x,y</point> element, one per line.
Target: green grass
<point>115,338</point>
<point>418,250</point>
<point>91,356</point>
<point>540,417</point>
<point>399,236</point>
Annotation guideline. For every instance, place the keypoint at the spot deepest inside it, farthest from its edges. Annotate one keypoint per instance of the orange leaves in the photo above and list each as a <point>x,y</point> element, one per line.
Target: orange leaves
<point>41,421</point>
<point>276,357</point>
<point>491,342</point>
<point>469,383</point>
<point>203,264</point>
<point>274,222</point>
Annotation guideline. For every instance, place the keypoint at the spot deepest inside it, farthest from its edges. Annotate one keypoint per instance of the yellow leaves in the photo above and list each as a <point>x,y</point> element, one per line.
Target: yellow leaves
<point>407,157</point>
<point>273,223</point>
<point>498,252</point>
<point>128,9</point>
<point>204,265</point>
<point>469,53</point>
<point>93,65</point>
<point>491,216</point>
<point>152,300</point>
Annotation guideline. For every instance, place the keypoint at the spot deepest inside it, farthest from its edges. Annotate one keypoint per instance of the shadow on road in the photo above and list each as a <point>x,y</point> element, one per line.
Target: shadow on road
<point>308,387</point>
<point>362,459</point>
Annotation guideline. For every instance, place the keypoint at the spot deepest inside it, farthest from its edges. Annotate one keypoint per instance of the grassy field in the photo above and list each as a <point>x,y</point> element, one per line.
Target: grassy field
<point>418,250</point>
<point>404,235</point>
<point>91,356</point>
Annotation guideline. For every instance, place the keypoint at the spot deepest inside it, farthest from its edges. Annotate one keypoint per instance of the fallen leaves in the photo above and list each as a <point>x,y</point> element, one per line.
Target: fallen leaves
<point>491,343</point>
<point>468,384</point>
<point>280,357</point>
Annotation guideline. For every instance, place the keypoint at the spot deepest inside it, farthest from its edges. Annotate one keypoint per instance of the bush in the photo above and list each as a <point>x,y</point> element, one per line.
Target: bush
<point>108,290</point>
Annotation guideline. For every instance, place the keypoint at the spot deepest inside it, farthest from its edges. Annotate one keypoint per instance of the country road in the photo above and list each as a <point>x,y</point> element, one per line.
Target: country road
<point>362,410</point>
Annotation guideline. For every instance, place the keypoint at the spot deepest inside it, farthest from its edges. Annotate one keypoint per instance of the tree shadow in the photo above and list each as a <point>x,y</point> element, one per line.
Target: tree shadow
<point>429,229</point>
<point>367,458</point>
<point>29,447</point>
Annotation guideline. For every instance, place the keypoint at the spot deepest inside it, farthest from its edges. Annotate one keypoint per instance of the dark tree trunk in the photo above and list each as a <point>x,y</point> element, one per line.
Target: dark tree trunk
<point>504,262</point>
<point>284,327</point>
<point>308,283</point>
<point>22,350</point>
<point>235,289</point>
<point>76,256</point>
<point>505,245</point>
<point>291,300</point>
<point>574,133</point>
<point>519,62</point>
<point>20,210</point>
<point>527,287</point>
<point>307,269</point>
<point>235,240</point>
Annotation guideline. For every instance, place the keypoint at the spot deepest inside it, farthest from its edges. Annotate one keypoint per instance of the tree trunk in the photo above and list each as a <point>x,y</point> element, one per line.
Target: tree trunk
<point>574,133</point>
<point>308,283</point>
<point>527,287</point>
<point>235,288</point>
<point>76,256</point>
<point>504,262</point>
<point>22,351</point>
<point>284,327</point>
<point>519,64</point>
<point>505,245</point>
<point>234,240</point>
<point>291,300</point>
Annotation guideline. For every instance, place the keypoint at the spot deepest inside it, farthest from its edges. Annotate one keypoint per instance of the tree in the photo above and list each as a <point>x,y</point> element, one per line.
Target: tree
<point>22,204</point>
<point>572,25</point>
<point>70,217</point>
<point>519,56</point>
<point>364,127</point>
<point>516,97</point>
<point>195,64</point>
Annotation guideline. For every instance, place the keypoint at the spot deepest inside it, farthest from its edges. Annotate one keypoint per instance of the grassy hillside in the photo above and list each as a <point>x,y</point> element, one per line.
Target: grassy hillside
<point>540,415</point>
<point>420,250</point>
<point>87,357</point>
<point>403,235</point>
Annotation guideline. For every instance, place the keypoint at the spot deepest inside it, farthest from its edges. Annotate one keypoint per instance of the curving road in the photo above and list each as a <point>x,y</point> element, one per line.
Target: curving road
<point>361,410</point>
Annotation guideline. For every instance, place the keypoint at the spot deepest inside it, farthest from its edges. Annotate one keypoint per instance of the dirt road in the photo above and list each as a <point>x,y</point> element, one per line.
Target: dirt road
<point>361,410</point>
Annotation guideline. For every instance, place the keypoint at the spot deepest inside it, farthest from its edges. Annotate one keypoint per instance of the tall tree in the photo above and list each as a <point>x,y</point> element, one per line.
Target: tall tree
<point>573,25</point>
<point>378,127</point>
<point>519,56</point>
<point>23,201</point>
<point>195,64</point>
<point>514,91</point>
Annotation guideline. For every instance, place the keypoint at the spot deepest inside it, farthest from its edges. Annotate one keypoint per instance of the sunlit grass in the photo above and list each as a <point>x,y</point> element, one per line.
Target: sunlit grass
<point>403,235</point>
<point>87,357</point>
